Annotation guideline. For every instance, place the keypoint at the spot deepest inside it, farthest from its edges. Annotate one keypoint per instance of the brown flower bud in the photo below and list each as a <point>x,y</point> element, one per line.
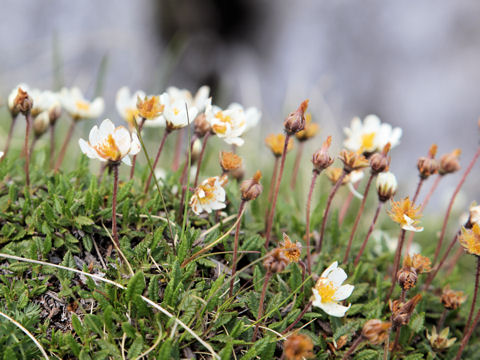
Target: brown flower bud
<point>292,250</point>
<point>201,125</point>
<point>310,130</point>
<point>41,123</point>
<point>23,103</point>
<point>376,331</point>
<point>428,165</point>
<point>352,161</point>
<point>251,188</point>
<point>451,299</point>
<point>229,161</point>
<point>275,261</point>
<point>407,277</point>
<point>379,162</point>
<point>449,162</point>
<point>402,315</point>
<point>386,185</point>
<point>298,346</point>
<point>295,122</point>
<point>321,159</point>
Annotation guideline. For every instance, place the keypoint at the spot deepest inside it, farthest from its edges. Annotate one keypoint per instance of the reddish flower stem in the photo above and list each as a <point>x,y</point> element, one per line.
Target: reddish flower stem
<point>26,150</point>
<point>32,147</point>
<point>114,204</point>
<point>353,347</point>
<point>268,275</point>
<point>52,146</point>
<point>396,263</point>
<point>453,262</point>
<point>162,143</point>
<point>178,150</point>
<point>200,158</point>
<point>432,275</point>
<point>319,244</point>
<point>275,193</point>
<point>63,150</point>
<point>235,247</point>
<point>417,191</point>
<point>307,226</point>
<point>370,230</point>
<point>397,338</point>
<point>467,336</point>
<point>9,137</point>
<point>134,160</point>
<point>450,205</point>
<point>357,218</point>
<point>441,321</point>
<point>475,293</point>
<point>346,204</point>
<point>270,190</point>
<point>183,176</point>
<point>299,317</point>
<point>298,158</point>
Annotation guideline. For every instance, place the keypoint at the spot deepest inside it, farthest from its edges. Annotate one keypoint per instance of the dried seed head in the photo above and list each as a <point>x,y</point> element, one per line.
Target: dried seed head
<point>401,315</point>
<point>149,108</point>
<point>427,165</point>
<point>352,161</point>
<point>251,188</point>
<point>449,163</point>
<point>379,162</point>
<point>311,129</point>
<point>229,161</point>
<point>276,143</point>
<point>41,124</point>
<point>292,250</point>
<point>334,173</point>
<point>376,331</point>
<point>23,103</point>
<point>407,277</point>
<point>298,347</point>
<point>295,122</point>
<point>321,159</point>
<point>421,264</point>
<point>275,261</point>
<point>201,125</point>
<point>451,299</point>
<point>386,185</point>
<point>470,239</point>
<point>440,341</point>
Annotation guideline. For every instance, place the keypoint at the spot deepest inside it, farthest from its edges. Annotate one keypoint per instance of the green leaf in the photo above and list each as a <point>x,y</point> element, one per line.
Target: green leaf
<point>135,348</point>
<point>83,220</point>
<point>135,286</point>
<point>417,322</point>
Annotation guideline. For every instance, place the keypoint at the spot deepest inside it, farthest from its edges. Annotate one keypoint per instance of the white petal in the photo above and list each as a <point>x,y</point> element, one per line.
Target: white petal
<point>334,309</point>
<point>106,128</point>
<point>135,146</point>
<point>94,136</point>
<point>126,160</point>
<point>87,149</point>
<point>329,269</point>
<point>96,108</point>
<point>122,139</point>
<point>337,276</point>
<point>343,292</point>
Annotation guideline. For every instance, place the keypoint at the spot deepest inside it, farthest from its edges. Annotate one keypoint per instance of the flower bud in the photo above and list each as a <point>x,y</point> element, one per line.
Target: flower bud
<point>275,261</point>
<point>449,162</point>
<point>352,161</point>
<point>421,264</point>
<point>201,125</point>
<point>251,188</point>
<point>401,315</point>
<point>386,185</point>
<point>196,150</point>
<point>54,113</point>
<point>295,122</point>
<point>41,123</point>
<point>428,165</point>
<point>310,130</point>
<point>440,341</point>
<point>229,161</point>
<point>474,217</point>
<point>376,331</point>
<point>407,277</point>
<point>23,103</point>
<point>379,162</point>
<point>321,159</point>
<point>451,299</point>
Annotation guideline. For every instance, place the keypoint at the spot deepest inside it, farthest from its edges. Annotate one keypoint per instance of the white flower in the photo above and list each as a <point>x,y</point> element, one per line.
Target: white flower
<point>107,143</point>
<point>386,185</point>
<point>126,104</point>
<point>45,101</point>
<point>252,115</point>
<point>198,101</point>
<point>229,124</point>
<point>474,214</point>
<point>409,224</point>
<point>328,291</point>
<point>209,195</point>
<point>78,107</point>
<point>371,135</point>
<point>175,112</point>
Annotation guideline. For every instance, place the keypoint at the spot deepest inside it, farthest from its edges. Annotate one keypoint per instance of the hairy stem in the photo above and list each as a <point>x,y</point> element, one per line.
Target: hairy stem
<point>52,146</point>
<point>467,336</point>
<point>270,191</point>
<point>275,193</point>
<point>450,204</point>
<point>235,248</point>
<point>353,347</point>
<point>357,218</point>
<point>333,191</point>
<point>155,162</point>
<point>268,275</point>
<point>370,230</point>
<point>307,226</point>
<point>475,293</point>
<point>396,263</point>
<point>299,317</point>
<point>114,204</point>
<point>26,150</point>
<point>441,321</point>
<point>63,149</point>
<point>297,165</point>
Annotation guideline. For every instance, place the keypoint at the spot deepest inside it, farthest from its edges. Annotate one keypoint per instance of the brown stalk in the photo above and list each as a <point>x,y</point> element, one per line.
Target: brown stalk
<point>268,275</point>
<point>235,247</point>
<point>307,231</point>
<point>270,190</point>
<point>63,150</point>
<point>162,143</point>
<point>299,317</point>
<point>396,263</point>
<point>475,293</point>
<point>370,230</point>
<point>297,165</point>
<point>26,150</point>
<point>200,158</point>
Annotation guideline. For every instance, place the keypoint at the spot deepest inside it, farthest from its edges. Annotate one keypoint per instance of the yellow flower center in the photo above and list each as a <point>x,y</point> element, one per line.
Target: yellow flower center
<point>131,115</point>
<point>108,149</point>
<point>82,105</point>
<point>367,141</point>
<point>176,111</point>
<point>325,289</point>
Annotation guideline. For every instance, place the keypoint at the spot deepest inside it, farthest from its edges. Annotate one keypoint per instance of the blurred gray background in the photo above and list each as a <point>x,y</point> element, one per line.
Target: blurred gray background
<point>413,63</point>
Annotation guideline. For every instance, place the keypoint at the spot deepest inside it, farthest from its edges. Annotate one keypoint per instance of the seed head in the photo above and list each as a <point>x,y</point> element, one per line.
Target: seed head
<point>379,162</point>
<point>407,277</point>
<point>451,299</point>
<point>470,239</point>
<point>251,188</point>
<point>321,159</point>
<point>310,130</point>
<point>292,250</point>
<point>421,264</point>
<point>376,331</point>
<point>352,161</point>
<point>440,341</point>
<point>449,163</point>
<point>401,315</point>
<point>428,165</point>
<point>295,122</point>
<point>275,261</point>
<point>298,347</point>
<point>23,103</point>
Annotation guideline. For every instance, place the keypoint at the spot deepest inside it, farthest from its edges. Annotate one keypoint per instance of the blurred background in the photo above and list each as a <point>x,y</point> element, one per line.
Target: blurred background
<point>413,63</point>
